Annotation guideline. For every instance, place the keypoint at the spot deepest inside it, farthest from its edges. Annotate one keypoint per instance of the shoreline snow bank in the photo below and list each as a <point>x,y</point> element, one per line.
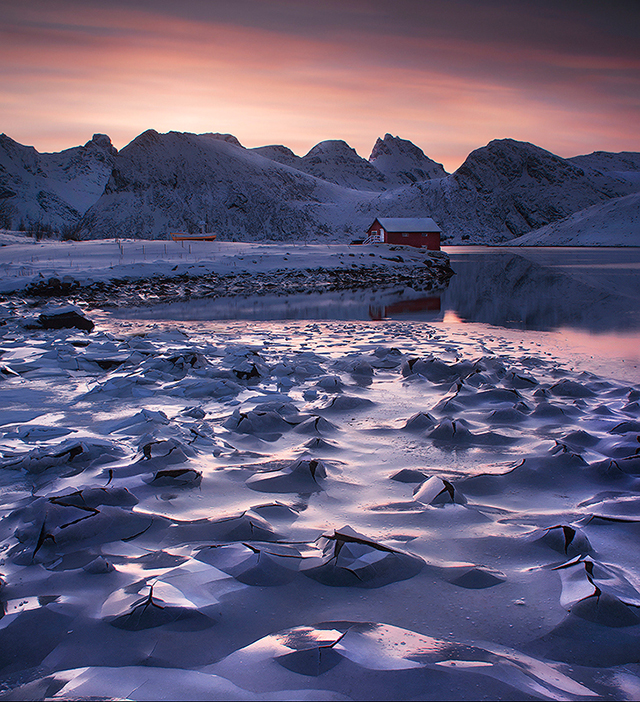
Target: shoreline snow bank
<point>130,272</point>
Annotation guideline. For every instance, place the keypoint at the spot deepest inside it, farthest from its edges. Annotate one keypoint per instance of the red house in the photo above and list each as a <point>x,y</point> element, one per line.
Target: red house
<point>409,231</point>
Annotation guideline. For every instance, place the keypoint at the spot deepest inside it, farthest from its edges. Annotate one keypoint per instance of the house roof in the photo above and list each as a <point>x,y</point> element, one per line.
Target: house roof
<point>408,224</point>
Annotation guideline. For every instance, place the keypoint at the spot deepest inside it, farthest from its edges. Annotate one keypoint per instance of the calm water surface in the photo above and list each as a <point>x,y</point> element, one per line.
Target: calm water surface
<point>591,296</point>
<point>590,289</point>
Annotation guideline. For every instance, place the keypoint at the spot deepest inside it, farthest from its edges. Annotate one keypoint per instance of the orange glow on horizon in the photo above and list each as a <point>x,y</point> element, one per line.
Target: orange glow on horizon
<point>140,70</point>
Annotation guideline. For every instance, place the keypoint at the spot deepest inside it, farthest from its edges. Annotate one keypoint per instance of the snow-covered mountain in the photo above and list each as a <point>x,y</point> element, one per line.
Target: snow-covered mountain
<point>403,162</point>
<point>501,191</point>
<point>170,182</point>
<point>393,162</point>
<point>614,223</point>
<point>279,153</point>
<point>336,162</point>
<point>52,189</point>
<point>625,163</point>
<point>178,181</point>
<point>515,187</point>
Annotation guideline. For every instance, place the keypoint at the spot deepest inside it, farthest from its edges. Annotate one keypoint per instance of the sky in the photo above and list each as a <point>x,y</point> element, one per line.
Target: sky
<point>449,75</point>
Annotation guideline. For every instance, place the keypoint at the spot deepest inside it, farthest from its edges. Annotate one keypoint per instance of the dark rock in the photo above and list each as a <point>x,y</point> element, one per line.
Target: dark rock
<point>65,318</point>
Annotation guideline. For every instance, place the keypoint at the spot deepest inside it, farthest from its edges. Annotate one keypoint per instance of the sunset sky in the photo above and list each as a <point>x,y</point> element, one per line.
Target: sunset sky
<point>450,75</point>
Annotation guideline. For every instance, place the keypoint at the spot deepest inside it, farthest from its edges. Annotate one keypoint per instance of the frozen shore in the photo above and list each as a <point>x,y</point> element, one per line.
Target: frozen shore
<point>133,272</point>
<point>326,510</point>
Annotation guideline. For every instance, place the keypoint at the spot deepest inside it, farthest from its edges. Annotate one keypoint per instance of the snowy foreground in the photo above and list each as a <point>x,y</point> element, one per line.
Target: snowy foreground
<point>314,511</point>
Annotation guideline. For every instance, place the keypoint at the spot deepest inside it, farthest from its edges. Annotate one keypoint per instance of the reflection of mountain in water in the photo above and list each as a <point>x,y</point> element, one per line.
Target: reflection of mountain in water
<point>594,290</point>
<point>349,304</point>
<point>509,290</point>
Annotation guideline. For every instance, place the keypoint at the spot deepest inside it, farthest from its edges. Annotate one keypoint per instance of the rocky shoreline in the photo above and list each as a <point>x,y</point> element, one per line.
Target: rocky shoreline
<point>434,272</point>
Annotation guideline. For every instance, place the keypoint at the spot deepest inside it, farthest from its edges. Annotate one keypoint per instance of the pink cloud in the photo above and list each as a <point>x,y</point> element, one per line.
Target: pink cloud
<point>123,70</point>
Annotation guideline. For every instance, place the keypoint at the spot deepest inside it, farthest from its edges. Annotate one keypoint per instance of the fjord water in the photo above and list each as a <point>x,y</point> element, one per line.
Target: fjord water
<point>583,302</point>
<point>591,289</point>
<point>544,288</point>
<point>589,298</point>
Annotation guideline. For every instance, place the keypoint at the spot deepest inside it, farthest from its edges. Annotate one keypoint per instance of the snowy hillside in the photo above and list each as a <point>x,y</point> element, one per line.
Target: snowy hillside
<point>55,189</point>
<point>279,153</point>
<point>623,162</point>
<point>613,223</point>
<point>618,170</point>
<point>161,183</point>
<point>172,182</point>
<point>521,186</point>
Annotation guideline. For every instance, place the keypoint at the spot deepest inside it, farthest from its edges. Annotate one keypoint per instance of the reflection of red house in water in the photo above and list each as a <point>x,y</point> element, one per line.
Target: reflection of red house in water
<point>408,231</point>
<point>422,304</point>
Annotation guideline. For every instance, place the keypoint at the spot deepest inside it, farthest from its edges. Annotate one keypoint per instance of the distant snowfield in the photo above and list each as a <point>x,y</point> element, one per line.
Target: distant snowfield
<point>22,264</point>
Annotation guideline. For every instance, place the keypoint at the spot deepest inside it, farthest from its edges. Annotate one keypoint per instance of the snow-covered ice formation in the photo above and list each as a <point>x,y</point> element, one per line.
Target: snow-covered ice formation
<point>313,510</point>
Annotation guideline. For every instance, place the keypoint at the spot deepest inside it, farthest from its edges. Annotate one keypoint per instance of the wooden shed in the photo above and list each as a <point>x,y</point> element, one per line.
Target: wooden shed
<point>408,231</point>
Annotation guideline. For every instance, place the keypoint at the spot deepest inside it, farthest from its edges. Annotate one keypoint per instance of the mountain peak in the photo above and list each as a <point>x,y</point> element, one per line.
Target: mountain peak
<point>103,142</point>
<point>148,137</point>
<point>279,153</point>
<point>331,147</point>
<point>229,138</point>
<point>506,160</point>
<point>390,145</point>
<point>401,160</point>
<point>335,161</point>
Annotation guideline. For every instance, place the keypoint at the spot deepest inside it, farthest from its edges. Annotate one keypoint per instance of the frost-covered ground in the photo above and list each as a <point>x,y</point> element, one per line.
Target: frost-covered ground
<point>314,510</point>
